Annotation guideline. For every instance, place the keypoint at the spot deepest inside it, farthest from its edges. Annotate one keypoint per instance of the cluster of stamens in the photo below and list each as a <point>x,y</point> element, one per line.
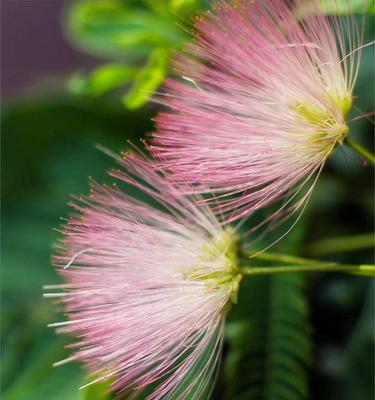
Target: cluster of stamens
<point>328,125</point>
<point>223,253</point>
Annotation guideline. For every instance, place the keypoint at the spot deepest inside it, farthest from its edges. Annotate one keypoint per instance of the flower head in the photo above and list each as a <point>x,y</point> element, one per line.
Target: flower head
<point>147,287</point>
<point>264,102</point>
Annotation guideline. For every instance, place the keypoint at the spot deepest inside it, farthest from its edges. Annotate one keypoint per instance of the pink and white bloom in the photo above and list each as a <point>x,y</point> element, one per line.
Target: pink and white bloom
<point>262,103</point>
<point>146,287</point>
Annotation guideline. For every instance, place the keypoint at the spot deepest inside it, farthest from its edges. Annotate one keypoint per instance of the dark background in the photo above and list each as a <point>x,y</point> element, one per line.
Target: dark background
<point>34,48</point>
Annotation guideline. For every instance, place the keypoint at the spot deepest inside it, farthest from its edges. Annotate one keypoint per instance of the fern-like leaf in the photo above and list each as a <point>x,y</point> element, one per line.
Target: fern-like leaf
<point>269,341</point>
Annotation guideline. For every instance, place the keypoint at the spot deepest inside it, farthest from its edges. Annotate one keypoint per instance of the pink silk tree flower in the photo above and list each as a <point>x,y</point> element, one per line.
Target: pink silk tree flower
<point>262,104</point>
<point>146,287</point>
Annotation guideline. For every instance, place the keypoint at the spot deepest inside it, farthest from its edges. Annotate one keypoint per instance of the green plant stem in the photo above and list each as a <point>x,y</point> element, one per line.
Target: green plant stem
<point>341,244</point>
<point>368,270</point>
<point>302,265</point>
<point>284,258</point>
<point>360,150</point>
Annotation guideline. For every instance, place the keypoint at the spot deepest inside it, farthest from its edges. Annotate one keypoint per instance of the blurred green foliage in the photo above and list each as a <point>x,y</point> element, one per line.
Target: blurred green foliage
<point>289,335</point>
<point>142,34</point>
<point>347,7</point>
<point>50,152</point>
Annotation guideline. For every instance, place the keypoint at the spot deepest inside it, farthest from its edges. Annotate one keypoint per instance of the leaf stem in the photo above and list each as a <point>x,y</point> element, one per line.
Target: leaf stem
<point>360,150</point>
<point>285,258</point>
<point>302,265</point>
<point>341,244</point>
<point>368,270</point>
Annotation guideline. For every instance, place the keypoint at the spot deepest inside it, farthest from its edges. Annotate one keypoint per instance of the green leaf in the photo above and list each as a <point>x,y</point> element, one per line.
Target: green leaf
<point>339,7</point>
<point>108,77</point>
<point>101,80</point>
<point>269,335</point>
<point>147,80</point>
<point>133,32</point>
<point>120,29</point>
<point>160,7</point>
<point>186,7</point>
<point>269,341</point>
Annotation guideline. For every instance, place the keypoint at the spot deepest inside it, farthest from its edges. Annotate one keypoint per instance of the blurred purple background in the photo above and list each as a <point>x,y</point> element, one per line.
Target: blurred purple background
<point>33,46</point>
